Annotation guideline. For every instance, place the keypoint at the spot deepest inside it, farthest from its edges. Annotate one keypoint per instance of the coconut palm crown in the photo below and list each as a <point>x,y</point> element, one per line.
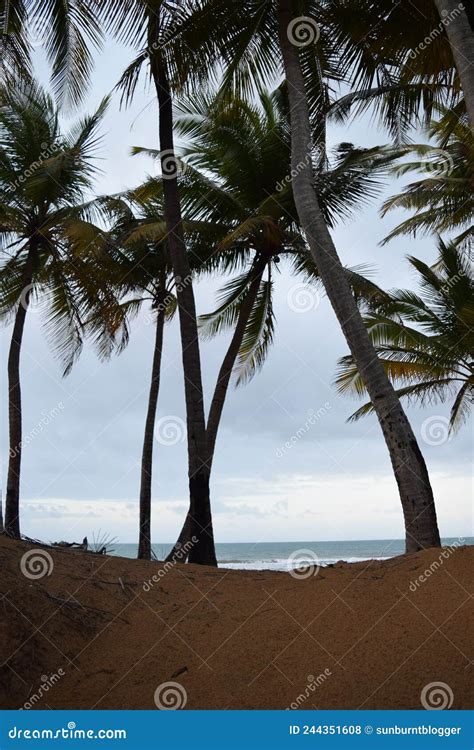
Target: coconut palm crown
<point>425,342</point>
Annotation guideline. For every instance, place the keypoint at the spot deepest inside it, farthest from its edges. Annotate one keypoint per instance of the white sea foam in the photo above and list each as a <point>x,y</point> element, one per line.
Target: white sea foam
<point>283,564</point>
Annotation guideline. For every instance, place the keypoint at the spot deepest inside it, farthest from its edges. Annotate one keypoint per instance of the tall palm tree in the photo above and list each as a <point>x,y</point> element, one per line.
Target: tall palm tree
<point>409,466</point>
<point>150,25</point>
<point>43,232</point>
<point>140,270</point>
<point>237,201</point>
<point>249,46</point>
<point>425,342</point>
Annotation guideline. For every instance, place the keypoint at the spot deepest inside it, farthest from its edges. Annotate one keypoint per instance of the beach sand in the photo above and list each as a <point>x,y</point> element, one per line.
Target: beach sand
<point>360,635</point>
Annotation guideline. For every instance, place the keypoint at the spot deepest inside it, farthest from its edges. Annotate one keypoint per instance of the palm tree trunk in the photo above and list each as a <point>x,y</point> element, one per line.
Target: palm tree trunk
<point>144,539</point>
<point>220,391</point>
<point>203,550</point>
<point>461,39</point>
<point>12,500</point>
<point>408,464</point>
<point>223,379</point>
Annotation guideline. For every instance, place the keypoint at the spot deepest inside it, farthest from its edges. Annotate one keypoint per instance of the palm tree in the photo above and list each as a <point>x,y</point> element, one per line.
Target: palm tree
<point>425,343</point>
<point>43,233</point>
<point>409,467</point>
<point>238,203</point>
<point>153,23</point>
<point>443,200</point>
<point>140,270</point>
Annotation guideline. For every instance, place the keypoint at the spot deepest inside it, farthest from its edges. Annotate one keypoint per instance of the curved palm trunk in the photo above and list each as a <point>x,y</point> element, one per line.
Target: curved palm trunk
<point>408,464</point>
<point>461,39</point>
<point>220,391</point>
<point>12,500</point>
<point>203,549</point>
<point>144,539</point>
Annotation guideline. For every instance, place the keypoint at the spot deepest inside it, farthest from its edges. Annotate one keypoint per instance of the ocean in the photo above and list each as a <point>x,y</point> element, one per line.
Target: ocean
<point>288,555</point>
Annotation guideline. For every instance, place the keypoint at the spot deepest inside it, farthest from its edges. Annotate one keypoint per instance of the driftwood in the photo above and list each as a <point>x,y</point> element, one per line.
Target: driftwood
<point>74,545</point>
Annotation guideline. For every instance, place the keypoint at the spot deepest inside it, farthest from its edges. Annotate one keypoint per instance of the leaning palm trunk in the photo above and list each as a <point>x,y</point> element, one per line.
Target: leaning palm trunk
<point>144,539</point>
<point>461,39</point>
<point>408,464</point>
<point>203,549</point>
<point>12,501</point>
<point>220,392</point>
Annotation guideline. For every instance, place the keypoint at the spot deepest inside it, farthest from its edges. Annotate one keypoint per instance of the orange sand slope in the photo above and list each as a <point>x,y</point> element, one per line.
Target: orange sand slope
<point>94,634</point>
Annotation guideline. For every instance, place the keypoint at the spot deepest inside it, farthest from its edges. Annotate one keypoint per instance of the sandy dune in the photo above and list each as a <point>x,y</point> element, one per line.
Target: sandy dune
<point>349,636</point>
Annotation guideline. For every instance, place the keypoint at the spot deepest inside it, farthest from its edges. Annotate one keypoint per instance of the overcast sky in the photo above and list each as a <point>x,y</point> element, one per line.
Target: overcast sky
<point>288,466</point>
